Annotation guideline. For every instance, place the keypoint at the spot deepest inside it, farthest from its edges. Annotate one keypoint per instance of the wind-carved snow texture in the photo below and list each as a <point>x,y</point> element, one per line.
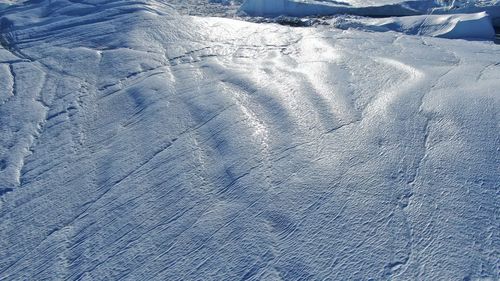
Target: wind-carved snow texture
<point>140,144</point>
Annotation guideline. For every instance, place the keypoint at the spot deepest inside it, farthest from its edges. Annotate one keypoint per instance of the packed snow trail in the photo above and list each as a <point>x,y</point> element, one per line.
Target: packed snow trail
<point>140,144</point>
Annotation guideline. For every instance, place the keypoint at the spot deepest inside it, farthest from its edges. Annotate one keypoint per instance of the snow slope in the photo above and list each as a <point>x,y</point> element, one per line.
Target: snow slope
<point>456,26</point>
<point>139,144</point>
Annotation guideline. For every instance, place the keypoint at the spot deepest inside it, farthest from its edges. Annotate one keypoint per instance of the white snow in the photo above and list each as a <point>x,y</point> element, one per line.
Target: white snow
<point>492,7</point>
<point>457,26</point>
<point>300,8</point>
<point>446,19</point>
<point>387,8</point>
<point>139,144</point>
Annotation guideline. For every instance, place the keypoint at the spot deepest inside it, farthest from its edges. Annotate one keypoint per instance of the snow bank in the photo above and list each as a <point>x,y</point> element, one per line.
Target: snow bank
<point>459,26</point>
<point>474,26</point>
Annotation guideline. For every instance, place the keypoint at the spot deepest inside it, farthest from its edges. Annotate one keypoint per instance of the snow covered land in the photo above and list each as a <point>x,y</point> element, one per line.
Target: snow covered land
<point>145,140</point>
<point>477,26</point>
<point>368,7</point>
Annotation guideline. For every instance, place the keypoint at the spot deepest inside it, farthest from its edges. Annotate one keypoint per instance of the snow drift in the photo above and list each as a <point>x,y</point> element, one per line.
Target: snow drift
<point>139,144</point>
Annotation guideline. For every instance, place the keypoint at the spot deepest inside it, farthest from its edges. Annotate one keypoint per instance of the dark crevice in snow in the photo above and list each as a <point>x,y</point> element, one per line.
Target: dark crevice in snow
<point>289,21</point>
<point>3,164</point>
<point>5,190</point>
<point>11,86</point>
<point>13,75</point>
<point>496,25</point>
<point>9,46</point>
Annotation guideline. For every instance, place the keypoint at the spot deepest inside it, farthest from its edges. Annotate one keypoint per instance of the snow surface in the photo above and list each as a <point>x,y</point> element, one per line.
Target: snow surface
<point>218,8</point>
<point>139,144</point>
<point>457,26</point>
<point>301,8</point>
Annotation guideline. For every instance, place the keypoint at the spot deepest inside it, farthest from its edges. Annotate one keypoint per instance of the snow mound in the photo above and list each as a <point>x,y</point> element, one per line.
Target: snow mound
<point>457,26</point>
<point>476,26</point>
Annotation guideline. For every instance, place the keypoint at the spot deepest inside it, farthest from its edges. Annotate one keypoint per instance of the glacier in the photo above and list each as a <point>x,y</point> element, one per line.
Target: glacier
<point>138,143</point>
